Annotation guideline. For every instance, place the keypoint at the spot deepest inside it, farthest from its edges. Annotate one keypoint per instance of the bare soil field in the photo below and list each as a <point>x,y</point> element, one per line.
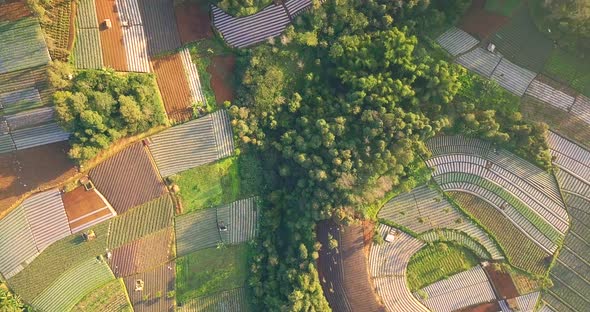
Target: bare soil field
<point>84,208</point>
<point>174,87</point>
<point>221,70</point>
<point>143,254</point>
<point>484,307</point>
<point>502,282</point>
<point>193,22</point>
<point>13,10</point>
<point>480,22</point>
<point>113,50</point>
<point>23,171</point>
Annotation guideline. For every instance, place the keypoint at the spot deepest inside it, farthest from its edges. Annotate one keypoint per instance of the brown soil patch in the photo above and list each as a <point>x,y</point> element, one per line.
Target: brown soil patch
<point>484,307</point>
<point>221,70</point>
<point>368,233</point>
<point>481,23</point>
<point>502,283</point>
<point>35,168</point>
<point>13,10</point>
<point>113,50</point>
<point>193,22</point>
<point>174,87</point>
<point>84,208</point>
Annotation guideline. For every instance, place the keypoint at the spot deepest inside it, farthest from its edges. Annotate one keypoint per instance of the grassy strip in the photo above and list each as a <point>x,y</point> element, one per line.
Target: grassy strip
<point>56,259</point>
<point>219,183</point>
<point>212,270</point>
<point>436,262</point>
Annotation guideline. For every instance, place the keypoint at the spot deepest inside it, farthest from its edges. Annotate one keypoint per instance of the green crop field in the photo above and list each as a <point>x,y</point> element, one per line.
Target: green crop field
<point>212,270</point>
<point>57,259</point>
<point>219,183</point>
<point>141,221</point>
<point>57,26</point>
<point>438,261</point>
<point>504,7</point>
<point>459,238</point>
<point>23,45</point>
<point>520,251</point>
<point>110,297</point>
<point>569,69</point>
<point>74,285</point>
<point>87,50</point>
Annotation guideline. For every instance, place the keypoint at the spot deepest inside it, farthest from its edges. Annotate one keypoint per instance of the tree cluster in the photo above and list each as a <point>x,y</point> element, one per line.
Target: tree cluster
<point>99,107</point>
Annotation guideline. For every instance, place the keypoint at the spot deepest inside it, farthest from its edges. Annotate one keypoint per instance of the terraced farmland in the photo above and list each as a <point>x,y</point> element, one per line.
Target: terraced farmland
<point>23,45</point>
<point>459,291</point>
<point>73,285</point>
<point>174,87</point>
<point>230,300</point>
<point>424,209</point>
<point>143,254</point>
<point>160,26</point>
<point>141,221</point>
<point>457,237</point>
<point>57,27</point>
<point>113,50</point>
<point>388,264</point>
<point>16,242</point>
<point>518,248</point>
<point>156,293</point>
<point>26,79</point>
<point>110,297</point>
<point>456,41</point>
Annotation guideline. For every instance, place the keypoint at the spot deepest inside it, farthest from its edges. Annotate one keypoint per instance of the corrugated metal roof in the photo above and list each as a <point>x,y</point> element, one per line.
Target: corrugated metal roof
<point>47,217</point>
<point>40,135</point>
<point>128,179</point>
<point>23,97</point>
<point>17,245</point>
<point>246,31</point>
<point>30,118</point>
<point>194,82</point>
<point>185,146</point>
<point>136,49</point>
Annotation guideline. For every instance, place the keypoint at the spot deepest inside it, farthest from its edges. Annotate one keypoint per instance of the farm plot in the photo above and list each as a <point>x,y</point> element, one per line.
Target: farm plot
<point>458,144</point>
<point>46,217</point>
<point>522,43</point>
<point>351,291</point>
<point>480,22</point>
<point>157,293</point>
<point>87,50</point>
<point>525,303</point>
<point>143,254</point>
<point>296,7</point>
<point>193,21</point>
<point>128,178</point>
<point>424,209</point>
<point>30,118</point>
<point>111,39</point>
<point>160,27</point>
<point>23,45</point>
<point>6,143</point>
<point>14,10</point>
<point>174,87</point>
<point>38,136</point>
<point>388,265</point>
<point>21,171</point>
<point>141,221</point>
<point>192,144</point>
<point>26,79</point>
<point>512,77</point>
<point>110,297</point>
<point>222,73</point>
<point>192,75</point>
<point>73,285</point>
<point>57,259</point>
<point>480,61</point>
<point>240,219</point>
<point>249,30</point>
<point>16,242</point>
<point>134,37</point>
<point>569,69</point>
<point>550,95</point>
<point>435,262</point>
<point>57,27</point>
<point>457,237</point>
<point>571,286</point>
<point>581,108</point>
<point>519,249</point>
<point>229,300</point>
<point>86,208</point>
<point>502,282</point>
<point>196,231</point>
<point>572,158</point>
<point>211,271</point>
<point>459,291</point>
<point>456,41</point>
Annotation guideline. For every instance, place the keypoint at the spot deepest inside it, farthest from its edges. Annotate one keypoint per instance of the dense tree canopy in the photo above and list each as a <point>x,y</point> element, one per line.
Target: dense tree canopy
<point>99,107</point>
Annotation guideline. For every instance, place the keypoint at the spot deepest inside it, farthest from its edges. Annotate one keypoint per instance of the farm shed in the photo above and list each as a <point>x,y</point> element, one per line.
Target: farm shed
<point>46,217</point>
<point>230,300</point>
<point>128,178</point>
<point>157,284</point>
<point>140,221</point>
<point>160,25</point>
<point>17,245</point>
<point>23,45</point>
<point>351,291</point>
<point>39,135</point>
<point>241,32</point>
<point>458,291</point>
<point>388,263</point>
<point>192,144</point>
<point>73,285</point>
<point>143,254</point>
<point>456,41</point>
<point>86,208</point>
